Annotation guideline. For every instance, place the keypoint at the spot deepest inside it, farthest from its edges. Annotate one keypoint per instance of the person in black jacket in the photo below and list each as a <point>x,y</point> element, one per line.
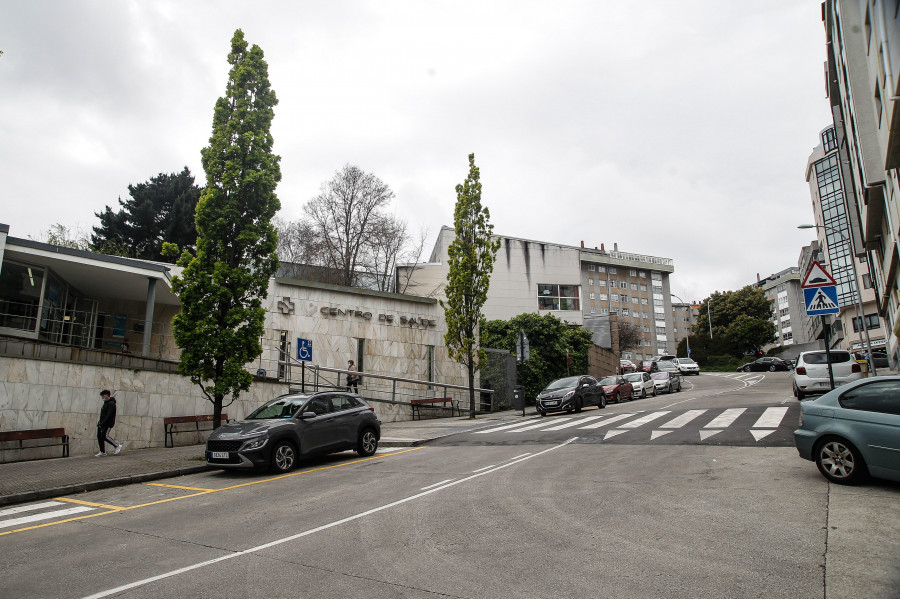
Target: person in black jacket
<point>106,422</point>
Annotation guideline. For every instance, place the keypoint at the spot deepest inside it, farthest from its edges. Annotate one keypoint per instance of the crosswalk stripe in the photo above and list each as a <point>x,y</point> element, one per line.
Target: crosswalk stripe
<point>499,428</point>
<point>575,422</point>
<point>44,516</point>
<point>726,418</point>
<point>771,418</point>
<point>28,508</point>
<point>609,421</point>
<point>540,424</point>
<point>680,421</point>
<point>645,419</point>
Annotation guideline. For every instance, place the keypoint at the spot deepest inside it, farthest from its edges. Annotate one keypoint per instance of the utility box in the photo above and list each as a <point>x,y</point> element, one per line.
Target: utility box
<point>518,398</point>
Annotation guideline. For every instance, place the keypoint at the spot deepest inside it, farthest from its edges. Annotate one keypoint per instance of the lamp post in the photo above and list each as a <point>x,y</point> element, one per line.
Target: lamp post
<point>687,339</point>
<point>860,312</point>
<point>709,315</point>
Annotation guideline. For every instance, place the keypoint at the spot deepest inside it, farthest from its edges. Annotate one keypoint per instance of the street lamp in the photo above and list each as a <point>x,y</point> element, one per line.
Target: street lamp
<point>687,339</point>
<point>860,312</point>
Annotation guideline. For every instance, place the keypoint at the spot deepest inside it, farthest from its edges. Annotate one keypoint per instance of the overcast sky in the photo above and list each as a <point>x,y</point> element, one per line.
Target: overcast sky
<point>674,129</point>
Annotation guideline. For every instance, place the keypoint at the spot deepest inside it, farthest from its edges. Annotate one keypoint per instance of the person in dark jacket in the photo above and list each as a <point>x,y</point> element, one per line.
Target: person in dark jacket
<point>106,422</point>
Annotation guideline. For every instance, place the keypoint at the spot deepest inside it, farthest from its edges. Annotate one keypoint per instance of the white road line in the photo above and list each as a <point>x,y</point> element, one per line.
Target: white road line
<point>311,531</point>
<point>520,456</point>
<point>575,422</point>
<point>771,418</point>
<point>680,421</point>
<point>436,484</point>
<point>540,424</point>
<point>44,516</point>
<point>726,418</point>
<point>608,421</point>
<point>485,468</point>
<point>29,508</point>
<point>499,428</point>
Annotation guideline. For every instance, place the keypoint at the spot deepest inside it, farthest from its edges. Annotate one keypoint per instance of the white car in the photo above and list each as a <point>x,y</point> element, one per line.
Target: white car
<point>687,366</point>
<point>811,372</point>
<point>642,384</point>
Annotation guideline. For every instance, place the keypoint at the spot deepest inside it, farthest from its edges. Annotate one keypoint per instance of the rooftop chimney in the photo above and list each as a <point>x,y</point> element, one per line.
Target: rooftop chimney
<point>582,244</point>
<point>615,247</point>
<point>601,248</point>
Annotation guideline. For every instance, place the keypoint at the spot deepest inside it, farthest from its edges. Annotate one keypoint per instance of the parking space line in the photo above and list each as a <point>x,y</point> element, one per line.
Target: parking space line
<point>179,487</point>
<point>90,503</point>
<point>161,501</point>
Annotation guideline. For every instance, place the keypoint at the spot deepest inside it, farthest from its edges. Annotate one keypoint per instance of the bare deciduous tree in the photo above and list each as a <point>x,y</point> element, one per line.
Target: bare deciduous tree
<point>630,336</point>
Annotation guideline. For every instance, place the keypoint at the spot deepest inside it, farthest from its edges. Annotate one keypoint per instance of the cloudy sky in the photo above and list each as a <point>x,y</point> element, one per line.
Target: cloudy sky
<point>674,129</point>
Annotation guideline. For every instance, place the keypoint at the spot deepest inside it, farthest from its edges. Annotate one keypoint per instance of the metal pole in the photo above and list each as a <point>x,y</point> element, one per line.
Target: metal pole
<point>826,329</point>
<point>709,316</point>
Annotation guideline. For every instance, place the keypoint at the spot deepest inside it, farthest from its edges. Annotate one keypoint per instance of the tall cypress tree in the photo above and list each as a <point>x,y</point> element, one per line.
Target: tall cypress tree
<point>471,260</point>
<point>223,284</point>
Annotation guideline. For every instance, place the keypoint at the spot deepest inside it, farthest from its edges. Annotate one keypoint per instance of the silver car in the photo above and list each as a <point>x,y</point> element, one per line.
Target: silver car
<point>642,384</point>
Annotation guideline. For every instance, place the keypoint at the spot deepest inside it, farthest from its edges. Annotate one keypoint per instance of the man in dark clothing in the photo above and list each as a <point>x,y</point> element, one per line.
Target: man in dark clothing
<point>352,377</point>
<point>106,422</point>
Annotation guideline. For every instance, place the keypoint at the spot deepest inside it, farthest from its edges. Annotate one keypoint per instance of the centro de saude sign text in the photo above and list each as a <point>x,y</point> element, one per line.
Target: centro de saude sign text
<point>383,318</point>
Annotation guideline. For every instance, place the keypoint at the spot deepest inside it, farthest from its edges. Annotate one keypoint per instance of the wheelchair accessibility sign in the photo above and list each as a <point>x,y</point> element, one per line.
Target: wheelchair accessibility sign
<point>304,349</point>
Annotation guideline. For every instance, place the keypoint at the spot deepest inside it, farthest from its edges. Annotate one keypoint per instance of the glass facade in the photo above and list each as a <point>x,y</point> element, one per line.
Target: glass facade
<point>831,196</point>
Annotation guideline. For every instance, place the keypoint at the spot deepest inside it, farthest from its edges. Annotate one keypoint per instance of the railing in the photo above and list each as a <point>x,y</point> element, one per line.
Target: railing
<point>641,258</point>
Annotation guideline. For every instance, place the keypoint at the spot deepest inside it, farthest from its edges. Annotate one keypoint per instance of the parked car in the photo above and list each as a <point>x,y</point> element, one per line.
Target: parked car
<point>570,394</point>
<point>663,358</point>
<point>667,366</point>
<point>282,430</point>
<point>667,380</point>
<point>769,363</point>
<point>617,388</point>
<point>687,366</point>
<point>853,432</point>
<point>641,384</point>
<point>626,366</point>
<point>811,373</point>
<point>648,366</point>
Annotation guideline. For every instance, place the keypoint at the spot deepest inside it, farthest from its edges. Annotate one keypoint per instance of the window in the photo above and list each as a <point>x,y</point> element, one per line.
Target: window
<point>604,297</point>
<point>592,296</point>
<point>601,282</point>
<point>624,312</point>
<point>643,287</point>
<point>867,281</point>
<point>624,299</point>
<point>645,301</point>
<point>634,286</point>
<point>787,335</point>
<point>591,267</point>
<point>22,287</point>
<point>360,354</point>
<point>623,284</point>
<point>634,300</point>
<point>660,330</point>
<point>642,274</point>
<point>871,323</point>
<point>590,281</point>
<point>601,269</point>
<point>878,396</point>
<point>632,272</point>
<point>592,309</point>
<point>558,297</point>
<point>612,270</point>
<point>615,297</point>
<point>656,276</point>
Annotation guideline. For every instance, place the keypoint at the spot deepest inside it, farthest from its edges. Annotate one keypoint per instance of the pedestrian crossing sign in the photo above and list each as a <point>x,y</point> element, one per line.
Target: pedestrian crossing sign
<point>821,300</point>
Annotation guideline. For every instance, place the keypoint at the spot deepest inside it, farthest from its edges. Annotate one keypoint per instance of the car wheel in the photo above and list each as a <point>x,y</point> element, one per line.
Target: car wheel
<point>368,443</point>
<point>578,405</point>
<point>602,402</point>
<point>284,457</point>
<point>643,392</point>
<point>619,397</point>
<point>840,462</point>
<point>542,413</point>
<point>800,394</point>
<point>772,368</point>
<point>746,368</point>
<point>670,389</point>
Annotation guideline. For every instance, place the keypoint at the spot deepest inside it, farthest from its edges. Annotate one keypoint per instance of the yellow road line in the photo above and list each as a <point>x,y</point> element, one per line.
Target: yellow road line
<point>115,510</point>
<point>90,503</point>
<point>179,487</point>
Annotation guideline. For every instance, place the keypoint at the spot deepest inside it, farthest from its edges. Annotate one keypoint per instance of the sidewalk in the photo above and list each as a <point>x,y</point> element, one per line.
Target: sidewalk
<point>21,482</point>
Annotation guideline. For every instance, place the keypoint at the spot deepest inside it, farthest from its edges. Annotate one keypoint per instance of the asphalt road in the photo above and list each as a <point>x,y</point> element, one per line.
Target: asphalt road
<point>571,512</point>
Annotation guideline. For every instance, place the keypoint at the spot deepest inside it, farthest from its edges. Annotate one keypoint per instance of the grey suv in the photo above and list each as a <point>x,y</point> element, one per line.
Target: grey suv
<point>570,394</point>
<point>281,430</point>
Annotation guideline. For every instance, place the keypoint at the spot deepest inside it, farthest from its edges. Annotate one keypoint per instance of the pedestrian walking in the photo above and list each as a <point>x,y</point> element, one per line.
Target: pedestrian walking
<point>107,421</point>
<point>352,377</point>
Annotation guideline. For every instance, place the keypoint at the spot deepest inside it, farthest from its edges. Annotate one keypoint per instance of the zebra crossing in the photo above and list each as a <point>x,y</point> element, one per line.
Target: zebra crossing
<point>24,515</point>
<point>705,423</point>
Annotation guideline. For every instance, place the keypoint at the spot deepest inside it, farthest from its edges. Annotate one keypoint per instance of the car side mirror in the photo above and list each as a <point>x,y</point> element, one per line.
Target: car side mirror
<point>585,385</point>
<point>306,415</point>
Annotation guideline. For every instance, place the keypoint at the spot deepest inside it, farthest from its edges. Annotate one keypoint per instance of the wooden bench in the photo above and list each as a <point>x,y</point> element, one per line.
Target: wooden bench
<point>171,421</point>
<point>431,402</point>
<point>37,434</point>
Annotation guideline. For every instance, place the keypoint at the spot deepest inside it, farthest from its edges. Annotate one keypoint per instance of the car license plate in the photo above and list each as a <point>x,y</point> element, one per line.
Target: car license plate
<point>220,455</point>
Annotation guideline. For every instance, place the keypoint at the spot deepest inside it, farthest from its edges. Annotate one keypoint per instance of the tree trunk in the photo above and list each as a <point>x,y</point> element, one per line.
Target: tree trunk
<point>471,389</point>
<point>217,411</point>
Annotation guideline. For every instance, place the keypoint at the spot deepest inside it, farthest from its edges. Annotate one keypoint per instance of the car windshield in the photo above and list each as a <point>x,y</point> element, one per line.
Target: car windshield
<point>571,381</point>
<point>282,407</point>
<point>634,378</point>
<point>659,376</point>
<point>667,365</point>
<point>610,380</point>
<point>822,358</point>
<point>685,361</point>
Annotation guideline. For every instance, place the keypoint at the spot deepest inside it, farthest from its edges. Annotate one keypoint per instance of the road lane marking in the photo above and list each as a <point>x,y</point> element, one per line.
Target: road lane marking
<point>771,418</point>
<point>28,508</point>
<point>317,529</point>
<point>726,418</point>
<point>645,419</point>
<point>44,516</point>
<point>90,503</point>
<point>437,484</point>
<point>680,421</point>
<point>540,424</point>
<point>199,493</point>
<point>179,487</point>
<point>485,468</point>
<point>520,456</point>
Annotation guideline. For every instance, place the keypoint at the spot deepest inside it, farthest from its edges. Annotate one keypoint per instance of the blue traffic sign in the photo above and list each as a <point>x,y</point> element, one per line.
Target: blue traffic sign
<point>304,349</point>
<point>821,300</point>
